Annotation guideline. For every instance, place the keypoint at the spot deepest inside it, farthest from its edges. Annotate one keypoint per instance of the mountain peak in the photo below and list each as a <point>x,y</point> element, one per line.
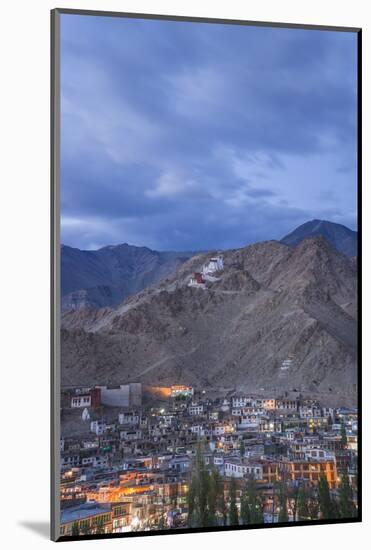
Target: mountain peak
<point>339,236</point>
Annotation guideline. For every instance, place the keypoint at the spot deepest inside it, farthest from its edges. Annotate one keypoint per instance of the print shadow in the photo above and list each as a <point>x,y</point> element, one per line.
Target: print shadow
<point>41,528</point>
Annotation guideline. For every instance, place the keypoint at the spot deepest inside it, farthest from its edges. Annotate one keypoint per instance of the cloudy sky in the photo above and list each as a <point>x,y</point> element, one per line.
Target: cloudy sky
<point>186,136</point>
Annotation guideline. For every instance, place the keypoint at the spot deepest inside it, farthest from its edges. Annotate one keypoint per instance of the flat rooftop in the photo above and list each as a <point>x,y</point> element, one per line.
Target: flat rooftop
<point>83,511</point>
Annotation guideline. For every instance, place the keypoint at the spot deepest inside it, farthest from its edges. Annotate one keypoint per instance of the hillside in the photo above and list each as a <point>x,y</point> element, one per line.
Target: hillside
<point>269,302</point>
<point>109,275</point>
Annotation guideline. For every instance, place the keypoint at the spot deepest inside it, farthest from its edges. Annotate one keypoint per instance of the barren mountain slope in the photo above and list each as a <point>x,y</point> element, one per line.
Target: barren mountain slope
<point>270,302</point>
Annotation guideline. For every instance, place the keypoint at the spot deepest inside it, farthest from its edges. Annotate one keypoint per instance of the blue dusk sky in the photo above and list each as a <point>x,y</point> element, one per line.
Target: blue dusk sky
<point>194,136</point>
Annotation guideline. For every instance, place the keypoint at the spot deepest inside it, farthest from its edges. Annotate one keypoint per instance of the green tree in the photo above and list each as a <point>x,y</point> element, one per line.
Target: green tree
<point>222,506</point>
<point>343,434</point>
<point>75,529</point>
<point>242,448</point>
<point>213,496</point>
<point>203,496</point>
<point>233,512</point>
<point>324,497</point>
<point>303,504</point>
<point>198,494</point>
<point>191,501</point>
<point>313,508</point>
<point>327,506</point>
<point>312,503</point>
<point>245,509</point>
<point>254,502</point>
<point>335,509</point>
<point>283,515</point>
<point>257,515</point>
<point>347,508</point>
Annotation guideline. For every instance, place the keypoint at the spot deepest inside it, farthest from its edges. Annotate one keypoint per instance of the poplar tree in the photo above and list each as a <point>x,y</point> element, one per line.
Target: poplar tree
<point>327,506</point>
<point>202,494</point>
<point>233,512</point>
<point>313,506</point>
<point>222,506</point>
<point>213,496</point>
<point>283,516</point>
<point>303,504</point>
<point>191,502</point>
<point>343,434</point>
<point>242,448</point>
<point>245,510</point>
<point>198,493</point>
<point>347,508</point>
<point>255,503</point>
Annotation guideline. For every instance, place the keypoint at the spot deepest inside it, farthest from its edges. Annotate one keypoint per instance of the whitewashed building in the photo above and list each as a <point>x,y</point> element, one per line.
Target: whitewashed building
<point>239,469</point>
<point>130,417</point>
<point>215,264</point>
<point>307,411</point>
<point>196,409</point>
<point>240,401</point>
<point>98,427</point>
<point>80,401</point>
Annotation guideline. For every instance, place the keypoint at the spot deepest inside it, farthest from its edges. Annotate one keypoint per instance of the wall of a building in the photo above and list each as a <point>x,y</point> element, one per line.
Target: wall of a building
<point>115,397</point>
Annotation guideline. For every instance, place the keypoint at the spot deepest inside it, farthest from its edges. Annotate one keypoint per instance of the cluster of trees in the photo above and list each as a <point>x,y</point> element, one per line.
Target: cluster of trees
<point>311,503</point>
<point>251,505</point>
<point>341,506</point>
<point>207,505</point>
<point>306,505</point>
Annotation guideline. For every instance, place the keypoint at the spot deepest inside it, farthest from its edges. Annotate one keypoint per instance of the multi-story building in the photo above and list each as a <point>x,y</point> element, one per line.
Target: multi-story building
<point>86,518</point>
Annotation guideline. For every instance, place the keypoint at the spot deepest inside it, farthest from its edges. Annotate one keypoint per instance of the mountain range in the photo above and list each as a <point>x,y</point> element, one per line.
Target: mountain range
<point>271,302</point>
<point>106,277</point>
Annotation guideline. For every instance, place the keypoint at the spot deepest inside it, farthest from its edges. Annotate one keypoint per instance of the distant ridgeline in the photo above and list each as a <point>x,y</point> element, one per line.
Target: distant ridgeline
<point>339,236</point>
<point>106,277</point>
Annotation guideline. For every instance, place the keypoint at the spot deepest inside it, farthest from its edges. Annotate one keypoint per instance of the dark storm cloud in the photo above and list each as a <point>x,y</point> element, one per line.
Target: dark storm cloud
<point>194,136</point>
